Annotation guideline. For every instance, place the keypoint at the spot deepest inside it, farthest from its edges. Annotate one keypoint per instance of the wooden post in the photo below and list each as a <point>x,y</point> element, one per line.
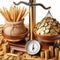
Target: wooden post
<point>51,51</point>
<point>56,52</point>
<point>12,50</point>
<point>42,54</point>
<point>59,55</point>
<point>46,54</point>
<point>32,17</point>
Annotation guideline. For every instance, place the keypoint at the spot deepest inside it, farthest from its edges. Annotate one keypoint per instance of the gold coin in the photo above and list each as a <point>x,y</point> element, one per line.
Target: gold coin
<point>54,23</point>
<point>42,32</point>
<point>42,28</point>
<point>46,31</point>
<point>42,24</point>
<point>52,30</point>
<point>45,24</point>
<point>38,31</point>
<point>57,29</point>
<point>47,27</point>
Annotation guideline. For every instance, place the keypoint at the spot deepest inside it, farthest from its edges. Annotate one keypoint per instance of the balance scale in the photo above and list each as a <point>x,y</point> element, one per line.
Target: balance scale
<point>32,46</point>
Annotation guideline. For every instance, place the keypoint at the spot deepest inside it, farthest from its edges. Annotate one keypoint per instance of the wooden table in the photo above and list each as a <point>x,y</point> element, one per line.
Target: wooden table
<point>8,53</point>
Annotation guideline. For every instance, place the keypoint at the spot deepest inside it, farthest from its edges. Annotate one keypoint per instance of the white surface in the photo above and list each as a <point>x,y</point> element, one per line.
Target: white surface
<point>55,10</point>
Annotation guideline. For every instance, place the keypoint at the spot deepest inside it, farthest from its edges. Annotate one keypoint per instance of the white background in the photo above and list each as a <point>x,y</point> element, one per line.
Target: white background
<point>40,12</point>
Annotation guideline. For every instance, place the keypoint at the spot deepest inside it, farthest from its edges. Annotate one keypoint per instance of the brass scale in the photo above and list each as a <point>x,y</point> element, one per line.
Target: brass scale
<point>32,21</point>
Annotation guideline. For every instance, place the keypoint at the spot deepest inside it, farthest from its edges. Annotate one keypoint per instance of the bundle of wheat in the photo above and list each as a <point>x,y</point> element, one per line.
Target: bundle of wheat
<point>14,14</point>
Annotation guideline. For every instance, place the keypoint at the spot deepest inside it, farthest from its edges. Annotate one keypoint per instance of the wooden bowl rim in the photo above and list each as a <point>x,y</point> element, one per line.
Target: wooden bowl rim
<point>46,36</point>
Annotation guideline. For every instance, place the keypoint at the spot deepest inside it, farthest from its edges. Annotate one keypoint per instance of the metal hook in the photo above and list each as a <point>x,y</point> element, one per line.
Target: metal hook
<point>49,14</point>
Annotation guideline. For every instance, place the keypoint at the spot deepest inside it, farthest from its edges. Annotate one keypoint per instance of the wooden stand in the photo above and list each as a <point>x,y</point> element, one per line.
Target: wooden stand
<point>19,46</point>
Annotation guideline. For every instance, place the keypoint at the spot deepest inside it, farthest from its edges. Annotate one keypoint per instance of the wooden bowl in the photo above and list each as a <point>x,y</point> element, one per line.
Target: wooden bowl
<point>46,41</point>
<point>46,37</point>
<point>15,38</point>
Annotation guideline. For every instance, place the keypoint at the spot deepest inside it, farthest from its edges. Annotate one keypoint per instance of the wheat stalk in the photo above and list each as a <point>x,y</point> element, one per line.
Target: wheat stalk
<point>14,14</point>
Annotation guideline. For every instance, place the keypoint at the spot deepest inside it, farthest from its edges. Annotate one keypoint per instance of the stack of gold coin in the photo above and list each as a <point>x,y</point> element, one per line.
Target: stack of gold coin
<point>47,32</point>
<point>48,26</point>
